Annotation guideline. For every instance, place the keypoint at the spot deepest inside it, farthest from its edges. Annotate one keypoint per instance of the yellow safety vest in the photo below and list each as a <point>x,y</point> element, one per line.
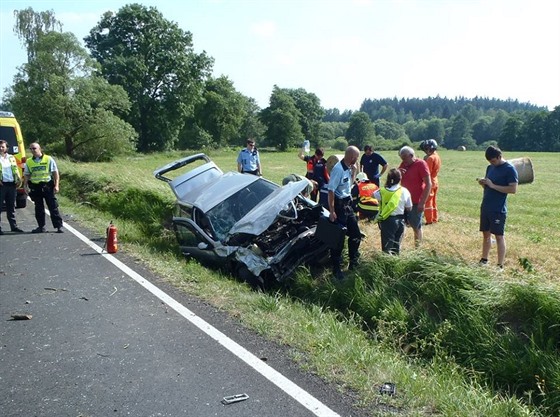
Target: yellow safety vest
<point>15,170</point>
<point>39,171</point>
<point>389,202</point>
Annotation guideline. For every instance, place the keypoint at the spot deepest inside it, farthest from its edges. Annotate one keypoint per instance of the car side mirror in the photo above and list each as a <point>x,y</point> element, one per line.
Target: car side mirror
<point>202,246</point>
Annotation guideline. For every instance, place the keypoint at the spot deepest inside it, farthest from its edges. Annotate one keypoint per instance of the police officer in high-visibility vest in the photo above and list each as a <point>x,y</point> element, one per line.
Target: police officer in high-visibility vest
<point>9,181</point>
<point>42,179</point>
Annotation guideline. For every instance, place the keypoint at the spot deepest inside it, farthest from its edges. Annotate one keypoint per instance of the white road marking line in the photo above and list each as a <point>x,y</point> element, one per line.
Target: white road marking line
<point>290,388</point>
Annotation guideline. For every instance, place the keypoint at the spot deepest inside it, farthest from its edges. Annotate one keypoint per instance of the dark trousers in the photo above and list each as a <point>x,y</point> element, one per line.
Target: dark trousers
<point>346,217</point>
<point>255,172</point>
<point>8,196</point>
<point>392,230</point>
<point>44,193</point>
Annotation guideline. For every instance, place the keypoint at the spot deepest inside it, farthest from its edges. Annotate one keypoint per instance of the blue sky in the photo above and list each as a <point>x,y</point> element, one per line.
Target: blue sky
<point>345,51</point>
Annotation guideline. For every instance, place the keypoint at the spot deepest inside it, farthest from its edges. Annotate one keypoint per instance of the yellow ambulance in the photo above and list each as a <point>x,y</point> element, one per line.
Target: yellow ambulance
<point>11,133</point>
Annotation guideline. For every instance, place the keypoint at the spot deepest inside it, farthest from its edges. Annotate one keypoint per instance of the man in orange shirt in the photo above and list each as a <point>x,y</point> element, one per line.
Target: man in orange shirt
<point>434,164</point>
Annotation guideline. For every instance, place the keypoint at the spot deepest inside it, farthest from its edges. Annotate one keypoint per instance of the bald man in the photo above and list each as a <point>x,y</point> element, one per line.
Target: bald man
<point>341,211</point>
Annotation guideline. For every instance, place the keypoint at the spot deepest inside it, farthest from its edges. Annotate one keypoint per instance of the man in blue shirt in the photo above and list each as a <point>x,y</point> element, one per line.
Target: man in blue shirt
<point>248,160</point>
<point>501,179</point>
<point>341,210</point>
<point>370,163</point>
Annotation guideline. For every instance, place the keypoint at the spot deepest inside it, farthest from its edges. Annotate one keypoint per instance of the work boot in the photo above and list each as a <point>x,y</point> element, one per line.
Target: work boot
<point>17,230</point>
<point>38,230</point>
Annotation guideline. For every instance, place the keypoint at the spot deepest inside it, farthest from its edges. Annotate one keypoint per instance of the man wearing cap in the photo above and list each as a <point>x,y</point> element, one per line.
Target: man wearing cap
<point>248,160</point>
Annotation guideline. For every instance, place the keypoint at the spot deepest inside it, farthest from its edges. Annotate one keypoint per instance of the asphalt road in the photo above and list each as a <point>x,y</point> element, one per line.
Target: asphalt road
<point>108,338</point>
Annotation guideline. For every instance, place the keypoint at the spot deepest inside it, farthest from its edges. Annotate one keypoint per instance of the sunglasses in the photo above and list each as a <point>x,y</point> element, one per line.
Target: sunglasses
<point>32,149</point>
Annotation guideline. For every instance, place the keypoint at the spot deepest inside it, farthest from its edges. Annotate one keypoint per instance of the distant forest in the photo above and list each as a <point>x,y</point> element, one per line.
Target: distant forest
<point>474,123</point>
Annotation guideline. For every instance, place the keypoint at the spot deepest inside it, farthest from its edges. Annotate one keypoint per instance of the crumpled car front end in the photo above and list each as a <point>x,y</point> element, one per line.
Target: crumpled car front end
<point>284,245</point>
<point>262,230</point>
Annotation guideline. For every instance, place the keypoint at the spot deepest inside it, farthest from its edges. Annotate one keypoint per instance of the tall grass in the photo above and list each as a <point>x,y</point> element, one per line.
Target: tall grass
<point>481,341</point>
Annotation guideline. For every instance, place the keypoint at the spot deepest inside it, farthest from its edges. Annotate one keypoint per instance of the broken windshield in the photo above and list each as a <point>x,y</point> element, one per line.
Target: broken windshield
<point>224,215</point>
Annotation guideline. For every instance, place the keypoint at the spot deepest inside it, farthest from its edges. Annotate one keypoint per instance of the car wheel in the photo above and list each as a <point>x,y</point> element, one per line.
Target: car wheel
<point>21,202</point>
<point>256,282</point>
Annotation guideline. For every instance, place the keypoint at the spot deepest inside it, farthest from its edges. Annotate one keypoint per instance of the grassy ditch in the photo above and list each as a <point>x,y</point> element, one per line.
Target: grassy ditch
<point>455,340</point>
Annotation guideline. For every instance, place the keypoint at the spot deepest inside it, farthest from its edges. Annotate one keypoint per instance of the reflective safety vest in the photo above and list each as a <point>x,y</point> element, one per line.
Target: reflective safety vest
<point>366,200</point>
<point>15,170</point>
<point>389,202</point>
<point>310,165</point>
<point>39,170</point>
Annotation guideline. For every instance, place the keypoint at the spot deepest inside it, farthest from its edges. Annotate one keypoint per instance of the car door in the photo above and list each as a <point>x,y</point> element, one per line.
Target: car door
<point>195,242</point>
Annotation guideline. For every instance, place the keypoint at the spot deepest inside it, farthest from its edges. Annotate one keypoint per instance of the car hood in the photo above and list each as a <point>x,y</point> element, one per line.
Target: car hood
<point>264,214</point>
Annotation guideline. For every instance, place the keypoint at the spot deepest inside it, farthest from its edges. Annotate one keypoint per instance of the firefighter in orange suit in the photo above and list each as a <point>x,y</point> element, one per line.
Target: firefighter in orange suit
<point>434,164</point>
<point>365,204</point>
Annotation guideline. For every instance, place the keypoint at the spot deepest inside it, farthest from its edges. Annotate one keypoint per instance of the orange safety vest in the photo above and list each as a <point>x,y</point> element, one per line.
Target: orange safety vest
<point>366,200</point>
<point>310,166</point>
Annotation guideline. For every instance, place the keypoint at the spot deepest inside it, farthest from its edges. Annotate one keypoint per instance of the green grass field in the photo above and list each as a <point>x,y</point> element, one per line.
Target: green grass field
<point>426,320</point>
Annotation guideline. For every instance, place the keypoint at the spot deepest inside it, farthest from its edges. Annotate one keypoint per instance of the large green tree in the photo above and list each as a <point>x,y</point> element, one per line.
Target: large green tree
<point>435,129</point>
<point>59,101</point>
<point>221,112</point>
<point>481,130</point>
<point>360,130</point>
<point>282,121</point>
<point>389,130</point>
<point>460,134</point>
<point>154,61</point>
<point>311,112</point>
<point>534,134</point>
<point>31,25</point>
<point>510,139</point>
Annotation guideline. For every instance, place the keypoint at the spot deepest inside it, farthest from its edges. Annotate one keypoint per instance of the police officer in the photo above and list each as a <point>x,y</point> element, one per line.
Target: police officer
<point>341,210</point>
<point>9,181</point>
<point>248,160</point>
<point>42,179</point>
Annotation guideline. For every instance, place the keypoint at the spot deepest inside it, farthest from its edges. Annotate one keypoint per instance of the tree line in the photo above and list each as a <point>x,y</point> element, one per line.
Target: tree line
<point>139,86</point>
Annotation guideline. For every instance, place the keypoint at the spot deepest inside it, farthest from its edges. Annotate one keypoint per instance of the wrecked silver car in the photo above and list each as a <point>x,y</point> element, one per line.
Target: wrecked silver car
<point>257,229</point>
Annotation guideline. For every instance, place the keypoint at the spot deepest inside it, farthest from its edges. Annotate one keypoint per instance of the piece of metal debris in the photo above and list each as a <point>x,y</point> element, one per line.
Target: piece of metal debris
<point>388,388</point>
<point>234,398</point>
<point>22,316</point>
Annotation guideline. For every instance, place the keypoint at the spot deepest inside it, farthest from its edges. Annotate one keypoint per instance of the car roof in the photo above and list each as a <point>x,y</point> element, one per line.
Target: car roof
<point>204,186</point>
